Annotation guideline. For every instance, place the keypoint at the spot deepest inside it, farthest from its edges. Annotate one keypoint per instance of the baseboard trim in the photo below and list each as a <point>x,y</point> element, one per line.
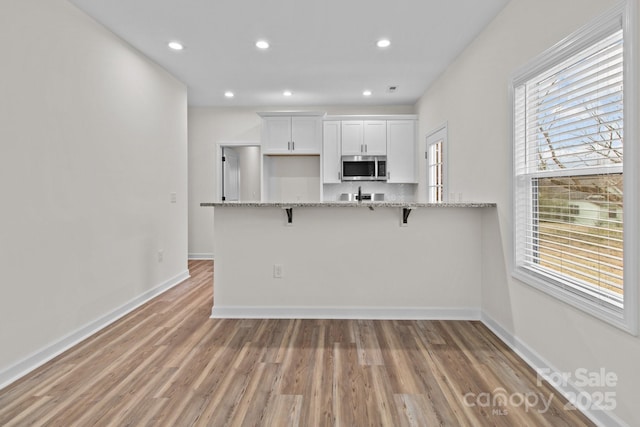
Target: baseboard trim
<point>375,313</point>
<point>39,358</point>
<point>538,363</point>
<point>203,256</point>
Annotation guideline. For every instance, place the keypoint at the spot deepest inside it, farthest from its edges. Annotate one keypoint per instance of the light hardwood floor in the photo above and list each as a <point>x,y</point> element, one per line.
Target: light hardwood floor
<point>168,363</point>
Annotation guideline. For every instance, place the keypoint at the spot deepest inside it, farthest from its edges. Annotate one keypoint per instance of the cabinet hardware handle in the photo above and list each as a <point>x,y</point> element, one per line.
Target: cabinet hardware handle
<point>289,145</point>
<point>293,146</point>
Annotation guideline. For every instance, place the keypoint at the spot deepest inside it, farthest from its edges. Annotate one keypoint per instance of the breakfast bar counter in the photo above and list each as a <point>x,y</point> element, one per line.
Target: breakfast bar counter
<point>338,260</point>
<point>411,205</point>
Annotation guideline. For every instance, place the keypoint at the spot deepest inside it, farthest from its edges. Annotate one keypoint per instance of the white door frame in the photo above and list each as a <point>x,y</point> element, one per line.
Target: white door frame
<point>218,161</point>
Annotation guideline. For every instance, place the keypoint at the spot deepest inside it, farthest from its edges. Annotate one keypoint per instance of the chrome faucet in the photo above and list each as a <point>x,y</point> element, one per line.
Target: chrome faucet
<point>359,193</point>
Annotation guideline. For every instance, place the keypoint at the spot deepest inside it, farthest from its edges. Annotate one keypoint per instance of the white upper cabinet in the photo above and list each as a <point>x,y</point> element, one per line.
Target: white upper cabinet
<point>375,137</point>
<point>291,134</point>
<point>401,151</point>
<point>364,137</point>
<point>306,135</point>
<point>331,151</point>
<point>352,137</point>
<point>276,134</point>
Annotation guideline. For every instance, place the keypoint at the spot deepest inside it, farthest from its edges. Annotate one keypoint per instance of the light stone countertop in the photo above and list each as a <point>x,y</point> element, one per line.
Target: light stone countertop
<point>407,205</point>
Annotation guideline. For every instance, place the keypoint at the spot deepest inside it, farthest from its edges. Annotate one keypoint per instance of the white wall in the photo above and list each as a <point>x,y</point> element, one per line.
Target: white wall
<point>348,262</point>
<point>292,178</point>
<point>472,97</point>
<point>93,139</point>
<point>249,159</point>
<point>209,126</point>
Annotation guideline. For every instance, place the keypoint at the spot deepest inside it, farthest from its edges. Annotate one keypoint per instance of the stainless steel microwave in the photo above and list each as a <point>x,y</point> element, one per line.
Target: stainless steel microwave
<point>364,168</point>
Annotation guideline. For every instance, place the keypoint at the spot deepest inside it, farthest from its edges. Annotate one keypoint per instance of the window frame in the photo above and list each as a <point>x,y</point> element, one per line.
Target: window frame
<point>621,17</point>
<point>437,135</point>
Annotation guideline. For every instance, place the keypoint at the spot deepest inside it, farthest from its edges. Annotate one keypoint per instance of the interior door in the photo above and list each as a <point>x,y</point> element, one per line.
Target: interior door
<point>230,175</point>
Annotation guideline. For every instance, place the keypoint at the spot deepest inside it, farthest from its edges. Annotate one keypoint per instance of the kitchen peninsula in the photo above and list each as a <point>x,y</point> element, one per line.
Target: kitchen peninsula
<point>348,259</point>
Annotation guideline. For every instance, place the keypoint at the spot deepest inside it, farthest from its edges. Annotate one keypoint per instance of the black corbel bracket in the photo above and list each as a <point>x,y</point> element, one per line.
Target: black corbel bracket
<point>289,215</point>
<point>405,215</point>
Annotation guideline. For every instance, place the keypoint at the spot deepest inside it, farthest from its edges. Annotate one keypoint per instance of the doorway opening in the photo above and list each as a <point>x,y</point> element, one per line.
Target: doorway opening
<point>239,171</point>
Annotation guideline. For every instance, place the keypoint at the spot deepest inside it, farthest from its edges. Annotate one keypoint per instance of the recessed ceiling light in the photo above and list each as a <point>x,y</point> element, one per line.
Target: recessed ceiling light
<point>287,93</point>
<point>229,94</point>
<point>367,93</point>
<point>262,44</point>
<point>383,43</point>
<point>176,45</point>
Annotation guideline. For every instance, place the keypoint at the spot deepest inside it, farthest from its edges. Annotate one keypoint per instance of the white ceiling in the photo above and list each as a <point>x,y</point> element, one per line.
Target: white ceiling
<point>324,51</point>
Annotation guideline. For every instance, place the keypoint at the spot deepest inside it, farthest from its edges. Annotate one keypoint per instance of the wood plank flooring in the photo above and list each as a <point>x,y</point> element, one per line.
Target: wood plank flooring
<point>168,363</point>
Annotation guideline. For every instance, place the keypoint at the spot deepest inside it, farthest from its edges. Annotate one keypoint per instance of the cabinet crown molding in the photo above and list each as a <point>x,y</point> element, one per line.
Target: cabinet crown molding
<point>291,113</point>
<point>373,117</point>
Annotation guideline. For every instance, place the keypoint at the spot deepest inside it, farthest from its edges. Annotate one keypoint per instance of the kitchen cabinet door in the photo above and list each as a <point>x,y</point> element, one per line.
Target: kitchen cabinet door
<point>331,152</point>
<point>401,151</point>
<point>276,135</point>
<point>375,137</point>
<point>352,137</point>
<point>291,135</point>
<point>305,135</point>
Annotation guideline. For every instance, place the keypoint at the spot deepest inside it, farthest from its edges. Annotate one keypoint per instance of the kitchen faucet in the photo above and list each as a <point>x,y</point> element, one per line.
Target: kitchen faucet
<point>359,198</point>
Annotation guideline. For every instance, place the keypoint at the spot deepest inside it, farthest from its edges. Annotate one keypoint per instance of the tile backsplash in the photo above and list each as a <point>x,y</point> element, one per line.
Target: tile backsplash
<point>392,192</point>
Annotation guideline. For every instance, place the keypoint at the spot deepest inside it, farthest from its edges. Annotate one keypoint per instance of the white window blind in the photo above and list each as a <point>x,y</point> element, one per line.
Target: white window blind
<point>436,165</point>
<point>568,131</point>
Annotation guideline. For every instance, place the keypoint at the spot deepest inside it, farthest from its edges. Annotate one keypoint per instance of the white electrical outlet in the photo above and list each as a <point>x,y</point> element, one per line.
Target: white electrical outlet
<point>173,197</point>
<point>277,271</point>
<point>160,255</point>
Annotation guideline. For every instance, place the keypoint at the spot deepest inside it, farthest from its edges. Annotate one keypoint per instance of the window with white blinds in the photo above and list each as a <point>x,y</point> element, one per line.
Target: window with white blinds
<point>436,163</point>
<point>436,177</point>
<point>568,165</point>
